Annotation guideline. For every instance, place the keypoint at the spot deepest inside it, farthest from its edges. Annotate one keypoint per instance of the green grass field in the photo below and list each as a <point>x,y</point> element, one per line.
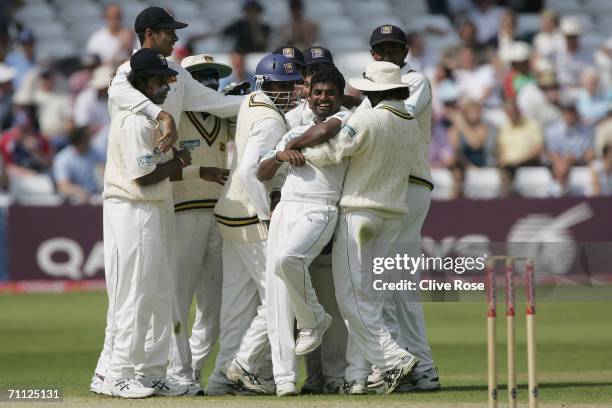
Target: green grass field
<point>55,340</point>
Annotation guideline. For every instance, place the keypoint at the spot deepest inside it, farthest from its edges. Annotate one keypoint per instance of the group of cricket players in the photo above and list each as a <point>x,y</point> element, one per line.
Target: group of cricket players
<point>275,249</point>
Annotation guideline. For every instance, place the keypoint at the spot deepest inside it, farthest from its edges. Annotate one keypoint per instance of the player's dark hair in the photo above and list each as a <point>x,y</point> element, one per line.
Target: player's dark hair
<point>399,94</point>
<point>314,68</point>
<point>606,149</point>
<point>142,34</point>
<point>138,81</point>
<point>328,74</point>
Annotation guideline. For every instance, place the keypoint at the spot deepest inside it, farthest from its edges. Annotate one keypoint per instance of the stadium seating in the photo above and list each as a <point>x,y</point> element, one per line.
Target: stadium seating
<point>444,184</point>
<point>533,181</point>
<point>482,183</point>
<point>580,181</point>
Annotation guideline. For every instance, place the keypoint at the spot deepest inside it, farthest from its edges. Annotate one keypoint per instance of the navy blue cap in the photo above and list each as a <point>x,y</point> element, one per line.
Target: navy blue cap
<point>156,17</point>
<point>292,53</point>
<point>149,61</point>
<point>318,55</point>
<point>387,33</point>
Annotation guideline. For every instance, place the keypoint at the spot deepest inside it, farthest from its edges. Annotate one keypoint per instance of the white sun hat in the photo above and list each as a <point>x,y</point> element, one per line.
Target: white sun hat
<point>205,61</point>
<point>379,76</point>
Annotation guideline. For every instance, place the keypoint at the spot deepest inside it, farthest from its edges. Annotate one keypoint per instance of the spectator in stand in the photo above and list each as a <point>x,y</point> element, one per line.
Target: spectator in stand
<point>603,61</point>
<point>80,79</point>
<point>467,35</point>
<point>91,108</point>
<point>75,168</point>
<point>549,41</point>
<point>569,138</point>
<point>517,54</point>
<point>24,149</point>
<point>593,101</point>
<point>418,57</point>
<point>474,82</point>
<point>23,58</point>
<point>54,109</point>
<point>486,15</point>
<point>573,59</point>
<point>601,173</point>
<point>7,74</point>
<point>441,150</point>
<point>560,172</point>
<point>113,42</point>
<point>470,135</point>
<point>540,100</point>
<point>299,32</point>
<point>519,142</point>
<point>507,34</point>
<point>603,134</point>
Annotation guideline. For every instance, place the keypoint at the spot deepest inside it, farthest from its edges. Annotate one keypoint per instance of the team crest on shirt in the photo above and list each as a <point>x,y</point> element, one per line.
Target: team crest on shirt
<point>289,52</point>
<point>386,29</point>
<point>316,52</point>
<point>289,68</point>
<point>348,131</point>
<point>189,144</point>
<point>145,160</point>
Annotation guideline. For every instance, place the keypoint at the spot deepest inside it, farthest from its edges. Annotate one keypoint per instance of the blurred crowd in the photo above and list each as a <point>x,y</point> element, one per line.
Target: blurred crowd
<point>507,107</point>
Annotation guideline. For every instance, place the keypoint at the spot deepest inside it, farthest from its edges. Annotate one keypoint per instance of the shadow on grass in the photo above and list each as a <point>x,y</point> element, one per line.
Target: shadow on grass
<point>524,386</point>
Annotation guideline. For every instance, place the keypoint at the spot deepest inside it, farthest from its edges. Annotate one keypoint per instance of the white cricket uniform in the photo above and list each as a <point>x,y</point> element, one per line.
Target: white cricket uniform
<point>136,256</point>
<point>379,143</point>
<point>404,314</point>
<point>186,94</point>
<point>197,245</point>
<point>300,115</point>
<point>243,205</point>
<point>302,224</point>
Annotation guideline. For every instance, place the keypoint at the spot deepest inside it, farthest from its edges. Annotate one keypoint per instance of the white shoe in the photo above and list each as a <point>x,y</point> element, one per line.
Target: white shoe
<point>356,387</point>
<point>128,388</point>
<point>194,389</point>
<point>98,385</point>
<point>394,376</point>
<point>250,381</point>
<point>309,339</point>
<point>164,387</point>
<point>427,380</point>
<point>286,389</point>
<point>218,389</point>
<point>376,378</point>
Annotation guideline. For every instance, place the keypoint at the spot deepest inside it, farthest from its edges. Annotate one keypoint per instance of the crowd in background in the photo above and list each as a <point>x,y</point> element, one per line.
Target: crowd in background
<point>501,100</point>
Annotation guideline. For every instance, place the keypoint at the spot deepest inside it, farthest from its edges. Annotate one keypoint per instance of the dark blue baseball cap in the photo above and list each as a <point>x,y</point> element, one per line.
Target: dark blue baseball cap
<point>156,17</point>
<point>149,61</point>
<point>294,54</point>
<point>318,55</point>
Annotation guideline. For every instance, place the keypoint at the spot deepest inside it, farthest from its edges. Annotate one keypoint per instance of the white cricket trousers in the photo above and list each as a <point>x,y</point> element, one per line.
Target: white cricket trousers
<point>298,233</point>
<point>361,236</point>
<point>197,247</point>
<point>327,362</point>
<point>136,263</point>
<point>404,313</point>
<point>243,333</point>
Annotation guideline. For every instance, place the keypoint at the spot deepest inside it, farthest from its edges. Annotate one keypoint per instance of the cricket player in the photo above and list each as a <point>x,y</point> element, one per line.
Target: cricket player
<point>404,313</point>
<point>302,224</point>
<point>243,212</point>
<point>136,209</point>
<point>156,27</point>
<point>197,241</point>
<point>380,144</point>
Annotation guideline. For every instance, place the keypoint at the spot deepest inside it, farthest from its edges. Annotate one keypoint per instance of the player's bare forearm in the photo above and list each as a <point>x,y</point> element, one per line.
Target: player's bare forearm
<point>267,169</point>
<point>169,169</point>
<point>316,135</point>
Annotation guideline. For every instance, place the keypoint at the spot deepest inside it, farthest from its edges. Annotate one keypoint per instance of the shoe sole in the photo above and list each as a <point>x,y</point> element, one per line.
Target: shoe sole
<point>406,369</point>
<point>235,377</point>
<point>416,388</point>
<point>318,343</point>
<point>100,392</point>
<point>132,397</point>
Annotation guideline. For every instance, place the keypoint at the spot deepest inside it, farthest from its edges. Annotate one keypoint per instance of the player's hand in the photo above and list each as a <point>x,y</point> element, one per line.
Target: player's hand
<point>293,157</point>
<point>184,156</point>
<point>242,88</point>
<point>170,135</point>
<point>214,174</point>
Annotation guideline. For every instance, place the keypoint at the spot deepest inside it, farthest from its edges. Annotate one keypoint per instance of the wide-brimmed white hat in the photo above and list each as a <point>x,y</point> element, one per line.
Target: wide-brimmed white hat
<point>205,61</point>
<point>379,76</point>
<point>518,51</point>
<point>101,77</point>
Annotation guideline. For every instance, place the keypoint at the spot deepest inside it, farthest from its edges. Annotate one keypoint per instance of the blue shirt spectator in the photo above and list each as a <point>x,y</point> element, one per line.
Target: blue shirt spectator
<point>593,102</point>
<point>75,167</point>
<point>569,138</point>
<point>22,59</point>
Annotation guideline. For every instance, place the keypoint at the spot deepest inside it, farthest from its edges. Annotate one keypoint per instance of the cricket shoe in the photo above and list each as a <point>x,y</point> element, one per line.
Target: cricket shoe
<point>355,387</point>
<point>312,386</point>
<point>98,385</point>
<point>331,386</point>
<point>164,387</point>
<point>427,380</point>
<point>128,388</point>
<point>220,389</point>
<point>252,382</point>
<point>376,378</point>
<point>194,390</point>
<point>286,389</point>
<point>309,339</point>
<point>395,375</point>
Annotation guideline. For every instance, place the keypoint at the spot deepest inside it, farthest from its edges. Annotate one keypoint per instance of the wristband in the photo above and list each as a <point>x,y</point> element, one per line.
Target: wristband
<point>191,172</point>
